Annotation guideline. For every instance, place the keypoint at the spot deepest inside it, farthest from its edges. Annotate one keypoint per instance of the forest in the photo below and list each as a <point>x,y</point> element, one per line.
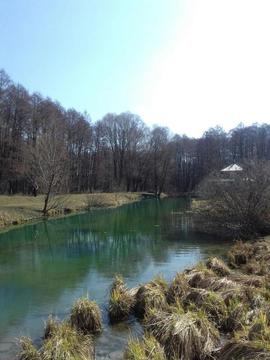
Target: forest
<point>45,145</point>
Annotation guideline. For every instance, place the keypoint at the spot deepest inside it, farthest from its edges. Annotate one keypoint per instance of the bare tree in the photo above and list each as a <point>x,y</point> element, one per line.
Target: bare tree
<point>238,204</point>
<point>48,167</point>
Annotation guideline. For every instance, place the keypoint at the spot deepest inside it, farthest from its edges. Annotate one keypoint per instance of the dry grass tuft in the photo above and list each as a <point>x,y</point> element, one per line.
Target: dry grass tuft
<point>28,350</point>
<point>178,288</point>
<point>198,274</point>
<point>152,294</point>
<point>121,301</point>
<point>237,315</point>
<point>86,316</point>
<point>240,254</point>
<point>146,349</point>
<point>51,327</point>
<point>257,333</point>
<point>185,336</point>
<point>242,350</point>
<point>249,280</point>
<point>254,267</point>
<point>218,266</point>
<point>211,303</point>
<point>67,344</point>
<point>118,283</point>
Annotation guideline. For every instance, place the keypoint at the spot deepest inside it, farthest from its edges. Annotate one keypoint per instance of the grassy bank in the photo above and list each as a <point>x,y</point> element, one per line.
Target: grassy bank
<point>215,310</point>
<point>18,209</point>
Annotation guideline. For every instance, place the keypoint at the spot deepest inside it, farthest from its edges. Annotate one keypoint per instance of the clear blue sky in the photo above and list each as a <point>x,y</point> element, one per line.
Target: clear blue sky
<point>88,54</point>
<point>185,64</point>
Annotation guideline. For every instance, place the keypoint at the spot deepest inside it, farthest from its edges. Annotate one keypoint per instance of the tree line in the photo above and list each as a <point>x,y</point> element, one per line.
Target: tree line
<point>43,145</point>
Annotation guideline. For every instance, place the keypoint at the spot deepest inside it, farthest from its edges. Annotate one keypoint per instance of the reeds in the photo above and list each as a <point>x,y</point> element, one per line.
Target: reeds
<point>86,316</point>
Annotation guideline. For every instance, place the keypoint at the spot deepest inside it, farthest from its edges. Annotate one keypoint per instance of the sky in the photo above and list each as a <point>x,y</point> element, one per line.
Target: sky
<point>185,64</point>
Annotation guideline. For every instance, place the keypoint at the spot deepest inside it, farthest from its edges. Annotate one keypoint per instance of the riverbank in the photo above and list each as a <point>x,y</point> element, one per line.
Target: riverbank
<point>19,209</point>
<point>214,310</point>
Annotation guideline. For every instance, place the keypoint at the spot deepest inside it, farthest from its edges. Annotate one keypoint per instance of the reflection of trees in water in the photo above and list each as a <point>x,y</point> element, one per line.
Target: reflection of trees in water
<point>113,253</point>
<point>180,221</point>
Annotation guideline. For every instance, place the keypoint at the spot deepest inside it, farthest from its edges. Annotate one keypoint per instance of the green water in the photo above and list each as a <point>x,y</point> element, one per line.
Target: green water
<point>44,267</point>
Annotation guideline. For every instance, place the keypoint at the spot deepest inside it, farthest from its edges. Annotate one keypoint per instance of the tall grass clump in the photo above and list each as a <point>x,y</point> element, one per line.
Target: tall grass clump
<point>237,315</point>
<point>210,302</point>
<point>178,288</point>
<point>86,316</point>
<point>121,301</point>
<point>185,336</point>
<point>146,349</point>
<point>152,294</point>
<point>218,266</point>
<point>251,337</point>
<point>242,350</point>
<point>27,350</point>
<point>67,343</point>
<point>198,275</point>
<point>51,327</point>
<point>118,283</point>
<point>240,254</point>
<point>257,333</point>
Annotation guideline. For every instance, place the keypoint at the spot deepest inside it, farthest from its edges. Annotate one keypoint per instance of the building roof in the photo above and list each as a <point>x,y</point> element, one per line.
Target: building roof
<point>232,167</point>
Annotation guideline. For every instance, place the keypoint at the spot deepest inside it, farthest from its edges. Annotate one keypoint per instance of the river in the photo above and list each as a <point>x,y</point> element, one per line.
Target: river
<point>45,266</point>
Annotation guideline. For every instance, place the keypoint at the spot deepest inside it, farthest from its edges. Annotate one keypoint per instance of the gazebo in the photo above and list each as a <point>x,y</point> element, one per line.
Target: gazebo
<point>232,168</point>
